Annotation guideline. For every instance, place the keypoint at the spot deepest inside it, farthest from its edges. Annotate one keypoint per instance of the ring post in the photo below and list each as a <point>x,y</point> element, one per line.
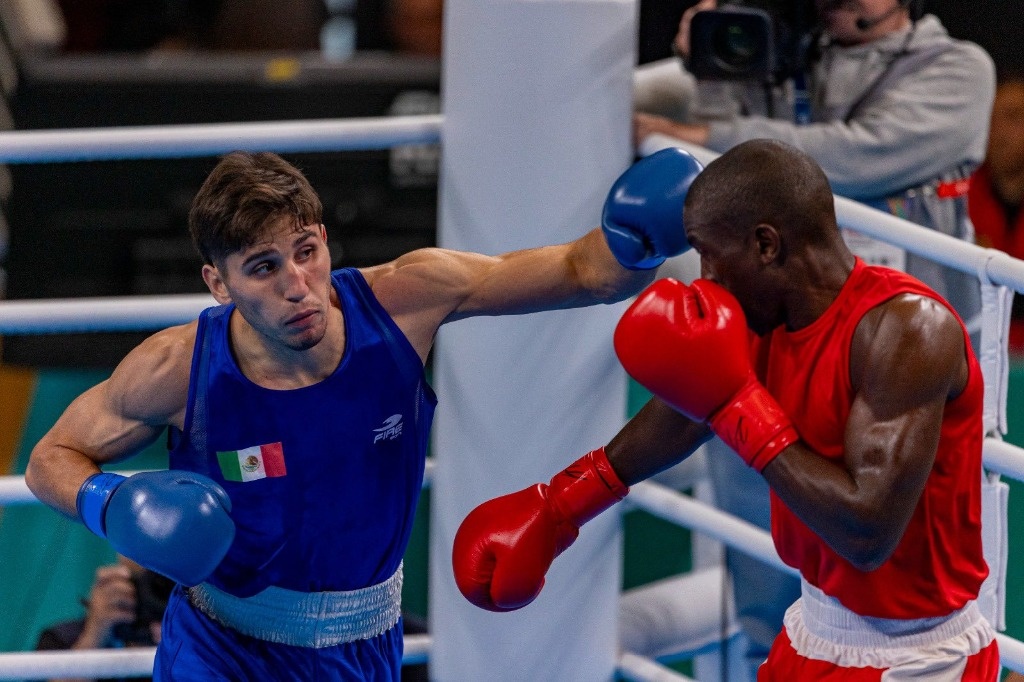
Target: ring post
<point>537,127</point>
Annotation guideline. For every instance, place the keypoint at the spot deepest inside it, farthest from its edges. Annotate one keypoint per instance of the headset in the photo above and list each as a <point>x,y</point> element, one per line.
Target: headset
<point>866,23</point>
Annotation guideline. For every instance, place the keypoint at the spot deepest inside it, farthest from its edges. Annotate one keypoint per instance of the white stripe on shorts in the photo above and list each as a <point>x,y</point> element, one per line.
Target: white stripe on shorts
<point>936,649</point>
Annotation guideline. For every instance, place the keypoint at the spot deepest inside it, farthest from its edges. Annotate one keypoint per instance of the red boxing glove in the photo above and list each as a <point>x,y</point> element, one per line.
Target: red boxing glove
<point>504,547</point>
<point>689,346</point>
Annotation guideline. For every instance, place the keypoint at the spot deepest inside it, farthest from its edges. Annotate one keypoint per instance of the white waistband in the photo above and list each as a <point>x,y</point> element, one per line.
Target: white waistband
<point>308,619</point>
<point>826,618</point>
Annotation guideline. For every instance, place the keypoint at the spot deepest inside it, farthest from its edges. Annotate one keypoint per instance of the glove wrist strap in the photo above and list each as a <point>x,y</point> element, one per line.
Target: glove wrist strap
<point>586,488</point>
<point>93,497</point>
<point>754,425</point>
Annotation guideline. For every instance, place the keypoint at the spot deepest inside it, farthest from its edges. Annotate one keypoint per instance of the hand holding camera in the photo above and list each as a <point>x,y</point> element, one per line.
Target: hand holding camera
<point>681,44</point>
<point>125,607</point>
<point>111,602</point>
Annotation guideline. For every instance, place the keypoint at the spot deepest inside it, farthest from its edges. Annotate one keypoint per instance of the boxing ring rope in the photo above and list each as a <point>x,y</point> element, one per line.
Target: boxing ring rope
<point>182,141</point>
<point>118,663</point>
<point>140,313</point>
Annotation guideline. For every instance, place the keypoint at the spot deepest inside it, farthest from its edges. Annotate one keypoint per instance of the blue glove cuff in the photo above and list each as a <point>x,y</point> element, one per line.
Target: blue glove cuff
<point>92,500</point>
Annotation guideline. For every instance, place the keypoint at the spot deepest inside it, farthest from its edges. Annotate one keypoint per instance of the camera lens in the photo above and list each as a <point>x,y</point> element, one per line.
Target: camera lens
<point>736,47</point>
<point>733,43</point>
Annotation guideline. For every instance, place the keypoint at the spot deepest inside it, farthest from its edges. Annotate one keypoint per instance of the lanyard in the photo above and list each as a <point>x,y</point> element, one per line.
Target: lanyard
<point>801,99</point>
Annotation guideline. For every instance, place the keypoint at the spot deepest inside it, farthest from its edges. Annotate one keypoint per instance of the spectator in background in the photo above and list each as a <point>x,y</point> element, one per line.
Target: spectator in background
<point>996,196</point>
<point>124,609</point>
<point>897,114</point>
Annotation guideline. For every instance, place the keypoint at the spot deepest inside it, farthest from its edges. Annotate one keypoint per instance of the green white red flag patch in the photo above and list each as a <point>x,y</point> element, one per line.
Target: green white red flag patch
<point>252,464</point>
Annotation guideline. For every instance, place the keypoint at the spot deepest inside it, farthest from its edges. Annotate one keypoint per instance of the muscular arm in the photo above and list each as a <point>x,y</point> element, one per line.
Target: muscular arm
<point>115,419</point>
<point>428,287</point>
<point>908,359</point>
<point>657,438</point>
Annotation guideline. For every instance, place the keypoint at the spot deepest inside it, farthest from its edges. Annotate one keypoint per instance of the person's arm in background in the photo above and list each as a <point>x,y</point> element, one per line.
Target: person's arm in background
<point>111,602</point>
<point>704,100</point>
<point>664,88</point>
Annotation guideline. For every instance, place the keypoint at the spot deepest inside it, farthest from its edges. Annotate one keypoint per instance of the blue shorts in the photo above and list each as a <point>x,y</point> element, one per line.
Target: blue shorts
<point>194,647</point>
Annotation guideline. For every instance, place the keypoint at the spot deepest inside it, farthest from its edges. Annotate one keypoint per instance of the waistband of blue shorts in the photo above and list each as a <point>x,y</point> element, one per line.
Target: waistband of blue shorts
<point>307,619</point>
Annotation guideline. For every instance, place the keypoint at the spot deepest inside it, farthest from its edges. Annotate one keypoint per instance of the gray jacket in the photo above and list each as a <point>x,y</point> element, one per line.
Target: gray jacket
<point>887,145</point>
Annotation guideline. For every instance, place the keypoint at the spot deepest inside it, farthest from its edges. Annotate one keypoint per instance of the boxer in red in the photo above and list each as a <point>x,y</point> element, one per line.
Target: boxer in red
<point>852,389</point>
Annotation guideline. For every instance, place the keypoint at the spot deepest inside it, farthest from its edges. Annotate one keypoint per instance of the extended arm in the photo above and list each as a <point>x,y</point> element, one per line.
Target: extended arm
<point>642,224</point>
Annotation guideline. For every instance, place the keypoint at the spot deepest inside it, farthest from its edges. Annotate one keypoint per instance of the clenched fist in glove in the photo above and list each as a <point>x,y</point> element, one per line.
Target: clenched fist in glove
<point>643,214</point>
<point>176,523</point>
<point>689,345</point>
<point>504,547</point>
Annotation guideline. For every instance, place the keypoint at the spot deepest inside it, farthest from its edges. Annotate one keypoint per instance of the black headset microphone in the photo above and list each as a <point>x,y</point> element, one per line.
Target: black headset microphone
<point>865,24</point>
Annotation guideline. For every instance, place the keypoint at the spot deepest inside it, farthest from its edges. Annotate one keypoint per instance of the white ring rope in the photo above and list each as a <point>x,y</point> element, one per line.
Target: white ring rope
<point>153,312</point>
<point>100,314</point>
<point>683,510</point>
<point>133,662</point>
<point>1004,458</point>
<point>14,491</point>
<point>181,141</point>
<point>96,663</point>
<point>416,649</point>
<point>1011,652</point>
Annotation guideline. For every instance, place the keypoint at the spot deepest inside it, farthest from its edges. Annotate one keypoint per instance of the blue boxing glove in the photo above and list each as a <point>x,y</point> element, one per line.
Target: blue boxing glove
<point>643,214</point>
<point>173,522</point>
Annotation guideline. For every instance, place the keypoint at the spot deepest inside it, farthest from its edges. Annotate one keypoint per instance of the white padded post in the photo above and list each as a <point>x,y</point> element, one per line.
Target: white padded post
<point>537,127</point>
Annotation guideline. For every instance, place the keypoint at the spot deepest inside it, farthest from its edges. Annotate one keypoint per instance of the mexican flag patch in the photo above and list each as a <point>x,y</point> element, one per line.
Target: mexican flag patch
<point>252,464</point>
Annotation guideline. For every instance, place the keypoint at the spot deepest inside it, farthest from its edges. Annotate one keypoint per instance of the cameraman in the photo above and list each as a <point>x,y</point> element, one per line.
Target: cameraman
<point>896,112</point>
<point>124,609</point>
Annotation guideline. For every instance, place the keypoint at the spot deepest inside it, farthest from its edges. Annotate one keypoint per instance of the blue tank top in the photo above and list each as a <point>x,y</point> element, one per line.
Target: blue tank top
<point>334,469</point>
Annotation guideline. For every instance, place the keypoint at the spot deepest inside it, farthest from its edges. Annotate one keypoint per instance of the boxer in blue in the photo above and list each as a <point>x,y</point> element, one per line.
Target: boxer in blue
<point>298,417</point>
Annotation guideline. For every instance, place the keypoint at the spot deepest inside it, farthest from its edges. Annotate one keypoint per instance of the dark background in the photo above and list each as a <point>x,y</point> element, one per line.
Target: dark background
<point>118,228</point>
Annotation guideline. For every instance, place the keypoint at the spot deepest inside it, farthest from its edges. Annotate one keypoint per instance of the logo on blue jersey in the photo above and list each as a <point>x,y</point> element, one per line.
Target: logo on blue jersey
<point>391,429</point>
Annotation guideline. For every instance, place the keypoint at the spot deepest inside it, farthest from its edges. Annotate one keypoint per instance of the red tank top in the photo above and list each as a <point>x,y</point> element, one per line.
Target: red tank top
<point>938,565</point>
